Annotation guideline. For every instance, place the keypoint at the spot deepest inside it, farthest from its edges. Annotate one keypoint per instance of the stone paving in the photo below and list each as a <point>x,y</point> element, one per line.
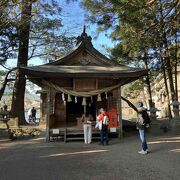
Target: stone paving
<point>35,159</point>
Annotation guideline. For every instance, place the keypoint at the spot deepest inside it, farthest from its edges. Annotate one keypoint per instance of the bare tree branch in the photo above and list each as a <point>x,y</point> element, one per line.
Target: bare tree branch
<point>130,104</point>
<point>5,82</point>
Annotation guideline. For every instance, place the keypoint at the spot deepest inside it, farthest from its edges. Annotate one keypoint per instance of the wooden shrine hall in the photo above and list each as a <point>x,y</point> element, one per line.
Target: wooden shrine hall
<point>82,81</point>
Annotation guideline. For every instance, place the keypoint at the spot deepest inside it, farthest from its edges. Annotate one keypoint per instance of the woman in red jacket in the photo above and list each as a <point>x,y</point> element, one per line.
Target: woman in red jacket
<point>104,130</point>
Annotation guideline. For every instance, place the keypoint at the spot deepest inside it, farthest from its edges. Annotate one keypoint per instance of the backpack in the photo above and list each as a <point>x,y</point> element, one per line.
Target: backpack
<point>106,120</point>
<point>143,119</point>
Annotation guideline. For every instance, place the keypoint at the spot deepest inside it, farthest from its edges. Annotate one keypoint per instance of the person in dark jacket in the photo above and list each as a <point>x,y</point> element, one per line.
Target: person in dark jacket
<point>142,124</point>
<point>33,114</point>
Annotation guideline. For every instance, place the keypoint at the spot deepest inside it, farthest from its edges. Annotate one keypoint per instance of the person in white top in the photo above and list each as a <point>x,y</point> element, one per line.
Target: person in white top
<point>87,119</point>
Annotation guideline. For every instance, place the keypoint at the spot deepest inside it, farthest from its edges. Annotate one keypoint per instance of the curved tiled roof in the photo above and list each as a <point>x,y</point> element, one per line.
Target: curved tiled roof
<point>83,44</point>
<point>101,68</point>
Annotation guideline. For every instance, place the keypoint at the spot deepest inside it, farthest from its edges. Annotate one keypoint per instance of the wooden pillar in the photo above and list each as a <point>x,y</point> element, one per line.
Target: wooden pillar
<point>53,95</point>
<point>50,111</point>
<point>43,108</point>
<point>119,112</point>
<point>48,115</point>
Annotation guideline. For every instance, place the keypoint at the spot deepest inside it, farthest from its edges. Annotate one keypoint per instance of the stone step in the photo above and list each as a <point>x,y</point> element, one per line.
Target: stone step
<point>4,133</point>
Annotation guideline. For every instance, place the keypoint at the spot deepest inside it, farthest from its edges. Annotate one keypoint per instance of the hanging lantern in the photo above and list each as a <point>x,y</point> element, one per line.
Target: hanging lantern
<point>69,98</point>
<point>106,95</point>
<point>75,99</point>
<point>84,101</point>
<point>99,97</point>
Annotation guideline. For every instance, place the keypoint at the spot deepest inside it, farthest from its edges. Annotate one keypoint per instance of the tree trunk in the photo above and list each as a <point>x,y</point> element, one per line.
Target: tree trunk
<point>176,80</point>
<point>170,75</point>
<point>148,82</point>
<point>176,63</point>
<point>167,54</point>
<point>166,87</point>
<point>17,107</point>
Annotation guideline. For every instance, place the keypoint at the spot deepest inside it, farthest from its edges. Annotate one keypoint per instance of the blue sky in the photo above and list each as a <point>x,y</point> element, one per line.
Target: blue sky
<point>73,19</point>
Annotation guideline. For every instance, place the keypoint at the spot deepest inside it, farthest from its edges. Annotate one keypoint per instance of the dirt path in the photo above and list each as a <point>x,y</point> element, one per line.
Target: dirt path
<point>37,160</point>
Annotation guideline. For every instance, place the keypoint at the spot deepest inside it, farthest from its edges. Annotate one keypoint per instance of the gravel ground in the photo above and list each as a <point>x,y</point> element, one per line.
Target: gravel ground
<point>35,159</point>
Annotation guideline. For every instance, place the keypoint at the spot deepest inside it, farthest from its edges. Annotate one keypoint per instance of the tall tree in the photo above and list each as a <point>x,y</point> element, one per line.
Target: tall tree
<point>8,33</point>
<point>35,31</point>
<point>142,28</point>
<point>17,108</point>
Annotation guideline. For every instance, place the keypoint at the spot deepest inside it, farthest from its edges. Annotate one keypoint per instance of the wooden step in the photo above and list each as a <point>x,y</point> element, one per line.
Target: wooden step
<point>69,134</point>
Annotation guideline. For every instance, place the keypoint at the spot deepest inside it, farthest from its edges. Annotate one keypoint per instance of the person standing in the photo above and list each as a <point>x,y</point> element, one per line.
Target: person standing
<point>87,119</point>
<point>142,124</point>
<point>33,114</point>
<point>104,120</point>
